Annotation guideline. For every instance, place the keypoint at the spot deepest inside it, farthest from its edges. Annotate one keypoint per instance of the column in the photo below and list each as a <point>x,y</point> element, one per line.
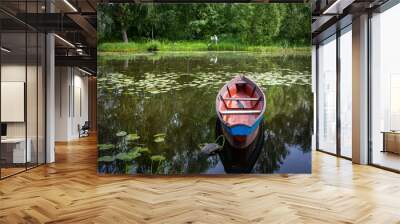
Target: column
<point>360,90</point>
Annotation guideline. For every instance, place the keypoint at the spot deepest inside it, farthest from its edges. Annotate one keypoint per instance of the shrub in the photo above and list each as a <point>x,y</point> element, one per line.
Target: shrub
<point>153,45</point>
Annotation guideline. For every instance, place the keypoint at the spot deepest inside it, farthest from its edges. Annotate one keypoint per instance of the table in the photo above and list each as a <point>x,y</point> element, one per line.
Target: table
<point>391,141</point>
<point>16,147</point>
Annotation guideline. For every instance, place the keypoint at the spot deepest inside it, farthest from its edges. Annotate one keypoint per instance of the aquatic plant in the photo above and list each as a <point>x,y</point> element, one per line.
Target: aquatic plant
<point>142,150</point>
<point>106,159</point>
<point>159,159</point>
<point>159,83</point>
<point>105,149</point>
<point>127,153</point>
<point>158,138</point>
<point>105,164</point>
<point>126,159</point>
<point>121,134</point>
<point>132,137</point>
<point>122,145</point>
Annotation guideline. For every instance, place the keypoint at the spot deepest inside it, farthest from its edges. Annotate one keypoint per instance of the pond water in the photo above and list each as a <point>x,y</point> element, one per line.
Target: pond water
<point>155,111</point>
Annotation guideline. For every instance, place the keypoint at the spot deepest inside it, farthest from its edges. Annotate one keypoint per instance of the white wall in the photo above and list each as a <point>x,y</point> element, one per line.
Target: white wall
<point>80,109</point>
<point>33,127</point>
<point>11,73</point>
<point>16,73</point>
<point>62,81</point>
<point>71,102</point>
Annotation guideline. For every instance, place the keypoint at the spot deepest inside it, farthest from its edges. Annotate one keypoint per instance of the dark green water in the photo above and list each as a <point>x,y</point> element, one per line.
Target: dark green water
<point>173,95</point>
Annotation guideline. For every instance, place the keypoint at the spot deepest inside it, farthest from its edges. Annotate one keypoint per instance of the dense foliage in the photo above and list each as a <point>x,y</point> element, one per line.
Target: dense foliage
<point>257,24</point>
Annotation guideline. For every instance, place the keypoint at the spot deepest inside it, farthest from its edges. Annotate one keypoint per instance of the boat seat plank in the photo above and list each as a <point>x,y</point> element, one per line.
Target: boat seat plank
<point>230,112</point>
<point>240,108</point>
<point>241,82</point>
<point>243,99</point>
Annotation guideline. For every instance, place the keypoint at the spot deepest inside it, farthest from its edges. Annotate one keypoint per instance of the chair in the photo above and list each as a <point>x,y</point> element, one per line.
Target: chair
<point>84,130</point>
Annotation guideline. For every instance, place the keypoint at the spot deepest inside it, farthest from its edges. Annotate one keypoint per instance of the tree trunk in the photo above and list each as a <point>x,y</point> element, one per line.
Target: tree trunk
<point>124,35</point>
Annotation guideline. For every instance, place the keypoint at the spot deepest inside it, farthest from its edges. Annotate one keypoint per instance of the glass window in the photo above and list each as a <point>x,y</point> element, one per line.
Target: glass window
<point>14,153</point>
<point>385,88</point>
<point>22,91</point>
<point>327,95</point>
<point>346,92</point>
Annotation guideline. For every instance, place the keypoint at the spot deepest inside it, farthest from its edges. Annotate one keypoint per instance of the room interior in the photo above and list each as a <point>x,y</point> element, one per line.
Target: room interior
<point>22,102</point>
<point>28,56</point>
<point>335,68</point>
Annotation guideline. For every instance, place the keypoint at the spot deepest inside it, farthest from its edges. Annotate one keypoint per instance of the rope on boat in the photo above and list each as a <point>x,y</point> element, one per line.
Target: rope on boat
<point>223,140</point>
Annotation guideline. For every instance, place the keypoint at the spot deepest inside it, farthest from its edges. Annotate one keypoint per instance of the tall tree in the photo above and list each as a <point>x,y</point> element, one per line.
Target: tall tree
<point>123,16</point>
<point>262,24</point>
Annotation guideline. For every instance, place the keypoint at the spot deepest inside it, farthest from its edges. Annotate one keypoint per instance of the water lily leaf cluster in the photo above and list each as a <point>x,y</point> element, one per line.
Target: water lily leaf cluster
<point>158,83</point>
<point>106,159</point>
<point>158,138</point>
<point>121,133</point>
<point>128,154</point>
<point>132,137</point>
<point>157,158</point>
<point>105,147</point>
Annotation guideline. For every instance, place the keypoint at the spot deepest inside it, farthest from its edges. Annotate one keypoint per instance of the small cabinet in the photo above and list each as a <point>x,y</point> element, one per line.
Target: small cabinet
<point>391,142</point>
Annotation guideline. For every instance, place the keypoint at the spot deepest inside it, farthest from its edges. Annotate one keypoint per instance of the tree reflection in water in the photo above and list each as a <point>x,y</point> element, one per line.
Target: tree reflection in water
<point>175,95</point>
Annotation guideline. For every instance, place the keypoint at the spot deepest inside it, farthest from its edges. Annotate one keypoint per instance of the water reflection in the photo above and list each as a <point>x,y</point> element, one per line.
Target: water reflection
<point>175,94</point>
<point>240,160</point>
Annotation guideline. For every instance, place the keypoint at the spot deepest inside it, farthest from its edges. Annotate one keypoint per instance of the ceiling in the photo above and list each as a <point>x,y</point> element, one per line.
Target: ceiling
<point>203,1</point>
<point>332,15</point>
<point>74,22</point>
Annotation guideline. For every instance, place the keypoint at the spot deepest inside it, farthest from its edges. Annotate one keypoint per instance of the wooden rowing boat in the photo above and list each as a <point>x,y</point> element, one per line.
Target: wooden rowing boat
<point>240,106</point>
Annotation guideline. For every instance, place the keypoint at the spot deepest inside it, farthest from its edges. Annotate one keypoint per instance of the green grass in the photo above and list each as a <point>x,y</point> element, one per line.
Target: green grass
<point>136,47</point>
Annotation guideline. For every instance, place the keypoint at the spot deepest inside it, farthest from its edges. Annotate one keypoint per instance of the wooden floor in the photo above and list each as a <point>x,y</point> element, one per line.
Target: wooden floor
<point>70,191</point>
<point>10,171</point>
<point>387,159</point>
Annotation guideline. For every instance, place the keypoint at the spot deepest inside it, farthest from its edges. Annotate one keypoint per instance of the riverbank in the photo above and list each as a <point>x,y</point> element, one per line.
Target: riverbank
<point>137,47</point>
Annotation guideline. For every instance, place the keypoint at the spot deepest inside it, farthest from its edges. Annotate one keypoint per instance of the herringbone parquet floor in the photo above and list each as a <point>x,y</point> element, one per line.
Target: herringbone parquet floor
<point>70,191</point>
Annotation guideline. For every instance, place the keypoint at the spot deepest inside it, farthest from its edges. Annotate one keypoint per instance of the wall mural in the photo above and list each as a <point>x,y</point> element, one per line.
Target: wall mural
<point>204,89</point>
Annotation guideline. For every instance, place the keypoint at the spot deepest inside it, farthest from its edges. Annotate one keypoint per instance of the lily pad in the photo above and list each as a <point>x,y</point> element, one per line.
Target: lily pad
<point>105,147</point>
<point>159,135</point>
<point>132,137</point>
<point>127,156</point>
<point>141,150</point>
<point>105,159</point>
<point>134,155</point>
<point>122,156</point>
<point>121,134</point>
<point>159,139</point>
<point>157,158</point>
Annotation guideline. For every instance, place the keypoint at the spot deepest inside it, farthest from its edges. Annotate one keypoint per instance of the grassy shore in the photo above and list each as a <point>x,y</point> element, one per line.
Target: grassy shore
<point>137,47</point>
